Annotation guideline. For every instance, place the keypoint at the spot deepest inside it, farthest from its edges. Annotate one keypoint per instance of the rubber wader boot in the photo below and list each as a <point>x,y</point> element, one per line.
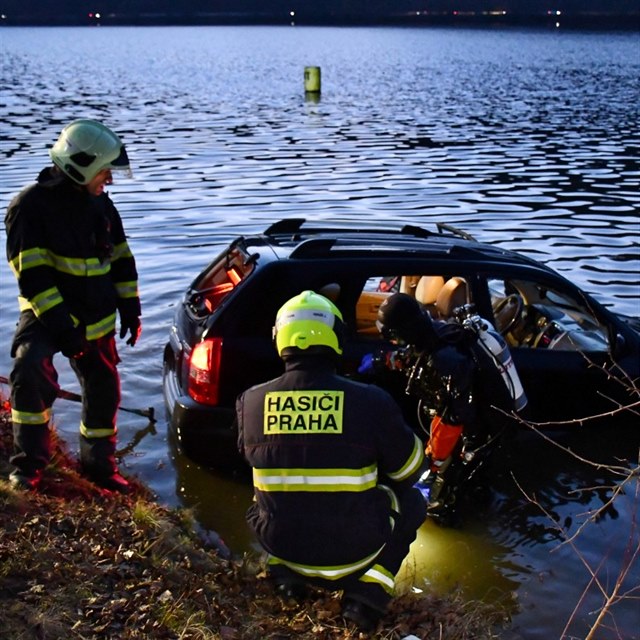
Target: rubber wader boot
<point>32,452</point>
<point>98,461</point>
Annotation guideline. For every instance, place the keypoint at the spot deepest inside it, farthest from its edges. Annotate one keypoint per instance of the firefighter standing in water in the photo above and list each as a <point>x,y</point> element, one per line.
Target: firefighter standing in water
<point>67,248</point>
<point>333,468</point>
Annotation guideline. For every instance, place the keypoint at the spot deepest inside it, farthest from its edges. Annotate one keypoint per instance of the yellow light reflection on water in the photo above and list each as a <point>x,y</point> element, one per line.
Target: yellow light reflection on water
<point>444,559</point>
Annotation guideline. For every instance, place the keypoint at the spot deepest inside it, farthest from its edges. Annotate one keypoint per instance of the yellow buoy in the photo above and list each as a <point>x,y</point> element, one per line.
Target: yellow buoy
<point>312,79</point>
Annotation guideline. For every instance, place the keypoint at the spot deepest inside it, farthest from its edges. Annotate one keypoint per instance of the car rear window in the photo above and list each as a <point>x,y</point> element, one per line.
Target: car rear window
<point>218,281</point>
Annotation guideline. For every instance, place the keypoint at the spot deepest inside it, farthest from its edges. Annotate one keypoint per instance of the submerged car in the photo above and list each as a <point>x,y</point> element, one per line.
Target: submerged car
<point>575,357</point>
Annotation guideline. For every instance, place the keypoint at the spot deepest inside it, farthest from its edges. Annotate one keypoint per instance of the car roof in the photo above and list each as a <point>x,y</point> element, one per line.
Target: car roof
<point>294,238</point>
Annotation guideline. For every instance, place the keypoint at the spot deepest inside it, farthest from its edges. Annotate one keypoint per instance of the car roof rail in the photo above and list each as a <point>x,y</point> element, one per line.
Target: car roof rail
<point>442,226</point>
<point>288,225</point>
<point>418,232</point>
<point>313,247</point>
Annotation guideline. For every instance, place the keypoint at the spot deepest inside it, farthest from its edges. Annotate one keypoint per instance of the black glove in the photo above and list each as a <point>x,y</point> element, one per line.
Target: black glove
<point>131,324</point>
<point>72,343</point>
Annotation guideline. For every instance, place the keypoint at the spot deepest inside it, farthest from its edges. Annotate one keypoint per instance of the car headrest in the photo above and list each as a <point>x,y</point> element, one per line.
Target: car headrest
<point>330,291</point>
<point>454,293</point>
<point>408,284</point>
<point>428,288</point>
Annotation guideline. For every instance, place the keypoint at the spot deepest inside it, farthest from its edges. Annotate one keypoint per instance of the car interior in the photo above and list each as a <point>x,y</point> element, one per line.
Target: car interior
<point>220,279</point>
<point>532,315</point>
<point>436,294</point>
<point>527,314</point>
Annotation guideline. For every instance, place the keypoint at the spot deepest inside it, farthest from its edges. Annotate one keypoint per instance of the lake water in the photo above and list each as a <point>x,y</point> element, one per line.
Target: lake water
<point>529,139</point>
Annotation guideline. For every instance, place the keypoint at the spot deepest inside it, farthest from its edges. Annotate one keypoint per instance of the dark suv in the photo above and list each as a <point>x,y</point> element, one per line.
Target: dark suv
<point>575,357</point>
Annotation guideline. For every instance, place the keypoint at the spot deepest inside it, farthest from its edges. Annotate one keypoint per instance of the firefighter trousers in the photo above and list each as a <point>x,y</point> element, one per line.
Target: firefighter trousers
<point>374,586</point>
<point>34,387</point>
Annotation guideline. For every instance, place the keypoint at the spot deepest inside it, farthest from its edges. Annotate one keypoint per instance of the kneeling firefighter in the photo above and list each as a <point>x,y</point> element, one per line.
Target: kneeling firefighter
<point>333,468</point>
<point>466,359</point>
<point>67,248</point>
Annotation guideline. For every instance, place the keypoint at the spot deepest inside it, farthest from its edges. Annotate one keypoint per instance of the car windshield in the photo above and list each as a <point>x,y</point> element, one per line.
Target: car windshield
<point>532,315</point>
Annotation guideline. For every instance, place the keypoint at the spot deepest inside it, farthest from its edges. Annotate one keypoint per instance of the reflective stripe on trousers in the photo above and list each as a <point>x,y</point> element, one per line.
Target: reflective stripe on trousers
<point>34,382</point>
<point>371,580</point>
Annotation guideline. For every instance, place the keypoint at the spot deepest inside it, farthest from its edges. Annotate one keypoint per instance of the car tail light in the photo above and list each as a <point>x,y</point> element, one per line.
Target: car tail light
<point>204,371</point>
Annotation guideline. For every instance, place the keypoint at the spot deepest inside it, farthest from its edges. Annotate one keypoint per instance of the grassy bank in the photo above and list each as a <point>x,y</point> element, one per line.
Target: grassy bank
<point>79,562</point>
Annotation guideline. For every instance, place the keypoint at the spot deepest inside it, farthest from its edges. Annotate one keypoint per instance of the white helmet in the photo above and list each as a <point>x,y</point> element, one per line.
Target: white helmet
<point>86,147</point>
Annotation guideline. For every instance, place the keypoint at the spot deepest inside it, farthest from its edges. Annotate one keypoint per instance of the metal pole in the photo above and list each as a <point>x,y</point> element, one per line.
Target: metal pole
<point>76,397</point>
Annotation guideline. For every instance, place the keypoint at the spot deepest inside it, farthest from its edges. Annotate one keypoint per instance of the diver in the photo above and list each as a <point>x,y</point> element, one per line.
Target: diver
<point>463,358</point>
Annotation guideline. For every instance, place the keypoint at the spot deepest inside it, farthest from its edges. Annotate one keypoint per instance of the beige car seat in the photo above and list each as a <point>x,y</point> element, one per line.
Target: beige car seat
<point>454,293</point>
<point>427,291</point>
<point>367,307</point>
<point>428,288</point>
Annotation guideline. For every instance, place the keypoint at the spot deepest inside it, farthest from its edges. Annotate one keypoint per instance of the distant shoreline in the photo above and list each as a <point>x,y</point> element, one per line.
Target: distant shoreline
<point>597,21</point>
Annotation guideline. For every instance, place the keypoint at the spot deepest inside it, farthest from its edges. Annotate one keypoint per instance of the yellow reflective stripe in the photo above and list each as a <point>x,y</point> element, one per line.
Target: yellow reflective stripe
<point>412,464</point>
<point>30,258</point>
<point>96,268</point>
<point>101,328</point>
<point>79,266</point>
<point>42,302</point>
<point>93,331</point>
<point>316,479</point>
<point>73,266</point>
<point>395,503</point>
<point>127,289</point>
<point>102,432</point>
<point>327,572</point>
<point>380,576</point>
<point>121,250</point>
<point>27,417</point>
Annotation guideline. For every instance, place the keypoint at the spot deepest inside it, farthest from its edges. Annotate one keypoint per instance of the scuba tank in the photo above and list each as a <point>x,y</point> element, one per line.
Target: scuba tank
<point>496,348</point>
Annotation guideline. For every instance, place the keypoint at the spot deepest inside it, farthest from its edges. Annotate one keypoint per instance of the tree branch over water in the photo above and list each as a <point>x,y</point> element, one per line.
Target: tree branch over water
<point>626,476</point>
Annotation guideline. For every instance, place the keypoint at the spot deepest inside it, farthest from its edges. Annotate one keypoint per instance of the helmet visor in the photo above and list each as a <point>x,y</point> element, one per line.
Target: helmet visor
<point>121,164</point>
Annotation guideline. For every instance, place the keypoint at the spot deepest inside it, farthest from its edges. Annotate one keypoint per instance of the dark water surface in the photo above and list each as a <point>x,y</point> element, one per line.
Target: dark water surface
<point>527,139</point>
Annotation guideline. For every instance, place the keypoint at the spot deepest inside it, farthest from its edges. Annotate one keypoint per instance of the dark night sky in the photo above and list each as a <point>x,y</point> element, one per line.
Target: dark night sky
<point>76,11</point>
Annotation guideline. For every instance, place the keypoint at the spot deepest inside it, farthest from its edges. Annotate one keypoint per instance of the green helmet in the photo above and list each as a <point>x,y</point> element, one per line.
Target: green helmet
<point>308,320</point>
<point>86,147</point>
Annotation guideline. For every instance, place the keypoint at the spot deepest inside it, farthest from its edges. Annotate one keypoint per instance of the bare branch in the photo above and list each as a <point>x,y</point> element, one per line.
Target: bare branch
<point>628,475</point>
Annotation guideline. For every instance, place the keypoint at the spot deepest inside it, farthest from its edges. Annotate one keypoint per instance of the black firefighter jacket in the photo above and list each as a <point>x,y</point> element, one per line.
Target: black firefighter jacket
<point>320,445</point>
<point>70,256</point>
